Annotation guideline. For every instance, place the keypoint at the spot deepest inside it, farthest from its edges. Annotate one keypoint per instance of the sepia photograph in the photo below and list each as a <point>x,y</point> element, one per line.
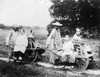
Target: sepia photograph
<point>49,38</point>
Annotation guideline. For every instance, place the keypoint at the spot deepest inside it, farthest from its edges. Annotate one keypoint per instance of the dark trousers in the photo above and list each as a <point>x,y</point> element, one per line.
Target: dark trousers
<point>17,54</point>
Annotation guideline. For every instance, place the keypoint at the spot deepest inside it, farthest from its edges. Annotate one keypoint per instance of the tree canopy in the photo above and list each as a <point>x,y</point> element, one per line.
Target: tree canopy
<point>80,13</point>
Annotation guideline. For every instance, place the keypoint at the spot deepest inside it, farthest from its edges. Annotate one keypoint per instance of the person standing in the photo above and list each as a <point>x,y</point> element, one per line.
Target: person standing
<point>54,41</point>
<point>20,45</point>
<point>11,37</point>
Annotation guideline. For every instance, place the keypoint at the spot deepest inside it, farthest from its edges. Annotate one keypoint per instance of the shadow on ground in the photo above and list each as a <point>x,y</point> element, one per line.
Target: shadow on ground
<point>12,70</point>
<point>33,70</point>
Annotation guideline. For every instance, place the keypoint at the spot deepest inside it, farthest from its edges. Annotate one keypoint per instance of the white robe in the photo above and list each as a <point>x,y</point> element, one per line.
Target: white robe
<point>67,49</point>
<point>76,37</point>
<point>21,43</point>
<point>54,40</point>
<point>11,38</point>
<point>30,36</point>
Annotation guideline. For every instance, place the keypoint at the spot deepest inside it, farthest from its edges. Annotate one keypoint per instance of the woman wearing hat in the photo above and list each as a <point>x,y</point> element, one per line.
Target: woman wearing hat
<point>54,41</point>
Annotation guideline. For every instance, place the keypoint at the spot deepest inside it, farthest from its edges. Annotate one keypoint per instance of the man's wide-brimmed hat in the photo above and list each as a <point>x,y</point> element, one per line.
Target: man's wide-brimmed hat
<point>78,29</point>
<point>57,24</point>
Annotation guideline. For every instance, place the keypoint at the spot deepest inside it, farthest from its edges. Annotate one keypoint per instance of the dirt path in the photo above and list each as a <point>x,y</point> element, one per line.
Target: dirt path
<point>34,70</point>
<point>67,73</point>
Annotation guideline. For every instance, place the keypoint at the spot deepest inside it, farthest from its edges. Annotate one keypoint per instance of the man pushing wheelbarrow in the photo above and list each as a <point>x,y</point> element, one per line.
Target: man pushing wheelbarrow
<point>77,57</point>
<point>54,41</point>
<point>54,44</point>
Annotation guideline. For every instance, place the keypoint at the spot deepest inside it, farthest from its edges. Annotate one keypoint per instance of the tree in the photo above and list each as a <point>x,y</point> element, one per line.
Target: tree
<point>2,26</point>
<point>80,13</point>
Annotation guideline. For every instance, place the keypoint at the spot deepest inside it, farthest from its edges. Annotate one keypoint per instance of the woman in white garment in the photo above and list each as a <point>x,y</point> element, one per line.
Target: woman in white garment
<point>20,45</point>
<point>31,35</point>
<point>77,36</point>
<point>31,39</point>
<point>54,41</point>
<point>67,49</point>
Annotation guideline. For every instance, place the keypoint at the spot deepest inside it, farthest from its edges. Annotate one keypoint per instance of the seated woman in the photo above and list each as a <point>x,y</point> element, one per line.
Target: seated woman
<point>77,36</point>
<point>20,45</point>
<point>77,40</point>
<point>32,42</point>
<point>31,35</point>
<point>67,49</point>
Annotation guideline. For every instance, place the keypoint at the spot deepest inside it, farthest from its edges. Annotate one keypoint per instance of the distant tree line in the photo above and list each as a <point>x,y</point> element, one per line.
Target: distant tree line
<point>7,27</point>
<point>84,14</point>
<point>2,26</point>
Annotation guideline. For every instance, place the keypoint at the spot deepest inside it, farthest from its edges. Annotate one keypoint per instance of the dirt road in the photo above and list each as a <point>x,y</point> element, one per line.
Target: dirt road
<point>34,70</point>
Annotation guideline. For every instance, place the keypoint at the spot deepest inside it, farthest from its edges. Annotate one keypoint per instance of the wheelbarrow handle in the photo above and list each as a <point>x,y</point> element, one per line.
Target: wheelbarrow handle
<point>53,52</point>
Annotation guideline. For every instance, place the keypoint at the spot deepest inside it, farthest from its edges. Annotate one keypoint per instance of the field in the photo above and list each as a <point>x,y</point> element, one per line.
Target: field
<point>34,70</point>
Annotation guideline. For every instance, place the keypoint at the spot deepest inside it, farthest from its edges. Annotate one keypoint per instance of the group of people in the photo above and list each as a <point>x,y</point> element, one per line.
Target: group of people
<point>19,41</point>
<point>54,43</point>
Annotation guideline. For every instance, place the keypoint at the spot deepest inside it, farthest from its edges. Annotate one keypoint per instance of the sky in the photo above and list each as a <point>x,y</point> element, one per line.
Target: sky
<point>25,12</point>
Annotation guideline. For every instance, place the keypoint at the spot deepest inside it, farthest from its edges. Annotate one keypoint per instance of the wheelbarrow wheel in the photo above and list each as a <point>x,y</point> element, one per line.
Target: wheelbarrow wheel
<point>80,64</point>
<point>34,57</point>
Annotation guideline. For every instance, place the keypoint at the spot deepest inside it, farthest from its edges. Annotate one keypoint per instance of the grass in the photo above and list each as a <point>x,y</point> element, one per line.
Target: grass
<point>41,35</point>
<point>9,70</point>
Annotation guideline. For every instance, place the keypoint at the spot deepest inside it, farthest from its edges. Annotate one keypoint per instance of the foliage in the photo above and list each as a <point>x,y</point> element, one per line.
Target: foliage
<point>72,14</point>
<point>2,26</point>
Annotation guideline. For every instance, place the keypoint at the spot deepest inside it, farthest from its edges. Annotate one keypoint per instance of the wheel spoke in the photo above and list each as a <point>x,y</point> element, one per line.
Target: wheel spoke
<point>81,64</point>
